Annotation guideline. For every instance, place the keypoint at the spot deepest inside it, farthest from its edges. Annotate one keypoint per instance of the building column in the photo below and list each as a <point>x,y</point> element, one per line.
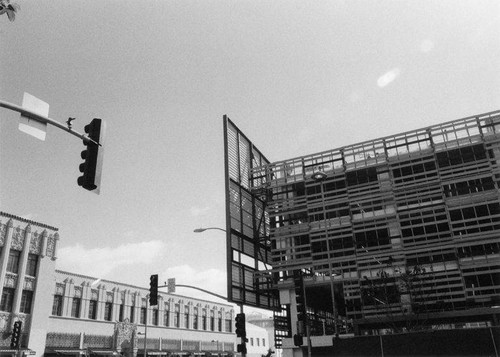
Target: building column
<point>117,301</point>
<point>223,319</point>
<point>69,290</point>
<point>127,304</point>
<point>101,300</point>
<point>137,308</point>
<point>56,240</point>
<point>5,252</point>
<point>21,273</point>
<point>86,296</point>
<point>161,311</point>
<point>170,317</point>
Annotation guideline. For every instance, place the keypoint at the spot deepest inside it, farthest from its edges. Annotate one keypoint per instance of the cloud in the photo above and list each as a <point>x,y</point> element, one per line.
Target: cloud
<point>426,46</point>
<point>388,77</point>
<point>100,261</point>
<point>199,211</point>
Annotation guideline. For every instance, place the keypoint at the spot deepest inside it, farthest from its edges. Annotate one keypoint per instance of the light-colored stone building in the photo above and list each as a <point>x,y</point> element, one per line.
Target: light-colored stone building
<point>28,251</point>
<point>68,314</point>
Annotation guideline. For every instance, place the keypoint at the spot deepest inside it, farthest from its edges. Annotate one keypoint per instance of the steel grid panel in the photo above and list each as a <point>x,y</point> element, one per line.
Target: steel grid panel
<point>247,223</point>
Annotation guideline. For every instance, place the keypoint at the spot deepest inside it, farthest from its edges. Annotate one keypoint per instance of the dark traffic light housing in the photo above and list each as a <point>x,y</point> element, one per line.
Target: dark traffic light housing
<point>298,340</point>
<point>16,335</point>
<point>240,326</point>
<point>241,347</point>
<point>91,168</point>
<point>153,290</point>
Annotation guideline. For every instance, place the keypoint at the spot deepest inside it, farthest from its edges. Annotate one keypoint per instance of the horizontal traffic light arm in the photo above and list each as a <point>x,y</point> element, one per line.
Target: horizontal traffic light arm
<point>45,120</point>
<point>200,289</point>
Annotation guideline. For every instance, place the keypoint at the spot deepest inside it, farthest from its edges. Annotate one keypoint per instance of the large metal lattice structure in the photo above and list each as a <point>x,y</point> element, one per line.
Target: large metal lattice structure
<point>361,216</point>
<point>247,224</point>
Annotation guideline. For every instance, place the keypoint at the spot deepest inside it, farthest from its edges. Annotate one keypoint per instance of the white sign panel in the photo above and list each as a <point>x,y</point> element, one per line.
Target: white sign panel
<point>31,126</point>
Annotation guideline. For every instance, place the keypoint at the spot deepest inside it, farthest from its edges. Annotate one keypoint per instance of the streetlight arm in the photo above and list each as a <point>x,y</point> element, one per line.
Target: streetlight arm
<point>199,230</point>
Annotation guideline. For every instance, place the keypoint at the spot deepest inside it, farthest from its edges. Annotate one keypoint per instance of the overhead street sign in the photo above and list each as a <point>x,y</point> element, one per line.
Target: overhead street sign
<point>171,285</point>
<point>28,124</point>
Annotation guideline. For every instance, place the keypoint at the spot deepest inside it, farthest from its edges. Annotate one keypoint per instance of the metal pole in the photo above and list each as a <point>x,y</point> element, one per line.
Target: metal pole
<point>243,339</point>
<point>306,320</point>
<point>42,119</point>
<point>334,309</point>
<point>493,340</point>
<point>146,331</point>
<point>200,289</point>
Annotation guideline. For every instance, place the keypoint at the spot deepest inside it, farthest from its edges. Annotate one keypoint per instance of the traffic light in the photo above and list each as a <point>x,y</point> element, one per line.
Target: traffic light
<point>92,156</point>
<point>240,326</point>
<point>241,347</point>
<point>298,340</point>
<point>16,334</point>
<point>153,290</point>
<point>300,301</point>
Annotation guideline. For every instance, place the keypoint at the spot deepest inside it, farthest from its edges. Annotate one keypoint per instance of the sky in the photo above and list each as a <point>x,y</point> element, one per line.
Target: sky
<point>297,77</point>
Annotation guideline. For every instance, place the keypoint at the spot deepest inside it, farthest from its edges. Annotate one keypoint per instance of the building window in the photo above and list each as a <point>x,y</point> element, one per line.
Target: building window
<point>132,313</point>
<point>251,341</point>
<point>108,311</point>
<point>7,299</point>
<point>26,300</point>
<point>204,319</point>
<point>229,325</point>
<point>195,318</point>
<point>143,315</point>
<point>258,343</point>
<point>186,316</point>
<point>219,321</point>
<point>122,311</point>
<point>93,309</point>
<point>57,305</point>
<point>13,264</point>
<point>263,342</point>
<point>75,307</point>
<point>155,317</point>
<point>212,320</point>
<point>32,264</point>
<point>166,315</point>
<point>177,315</point>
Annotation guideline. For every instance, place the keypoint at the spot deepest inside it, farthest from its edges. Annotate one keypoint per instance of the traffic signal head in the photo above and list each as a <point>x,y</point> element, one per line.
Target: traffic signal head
<point>153,290</point>
<point>298,340</point>
<point>91,168</point>
<point>242,348</point>
<point>16,334</point>
<point>240,325</point>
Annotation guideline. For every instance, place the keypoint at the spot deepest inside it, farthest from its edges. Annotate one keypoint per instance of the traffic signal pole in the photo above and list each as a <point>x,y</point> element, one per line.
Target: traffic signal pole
<point>146,332</point>
<point>243,338</point>
<point>45,120</point>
